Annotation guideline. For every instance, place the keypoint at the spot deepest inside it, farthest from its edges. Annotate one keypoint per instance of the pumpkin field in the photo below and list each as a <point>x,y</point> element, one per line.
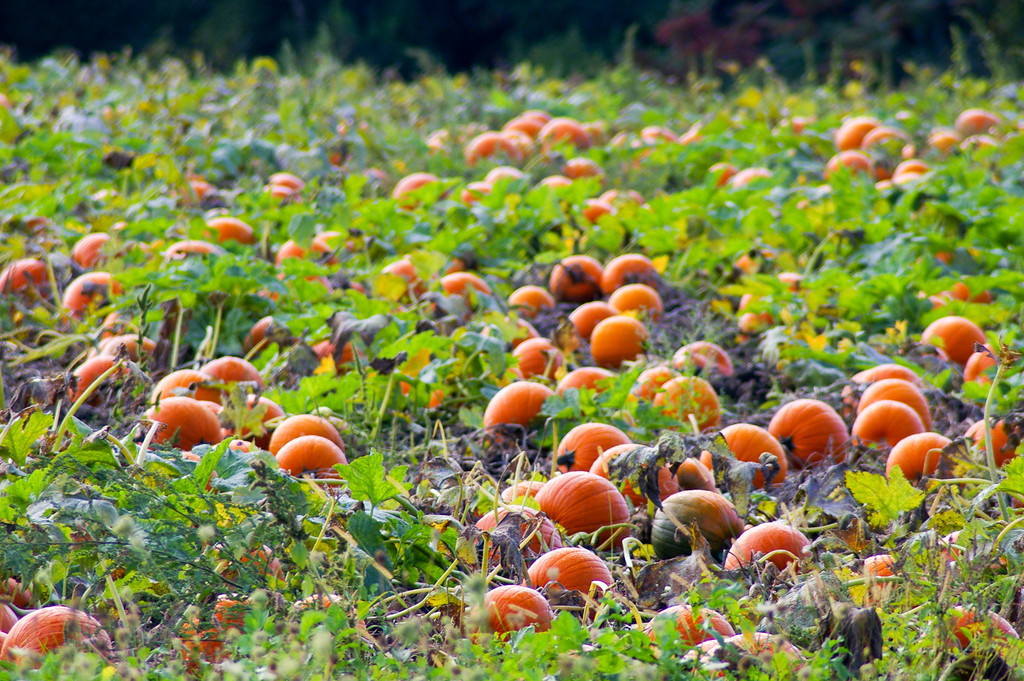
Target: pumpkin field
<point>313,373</point>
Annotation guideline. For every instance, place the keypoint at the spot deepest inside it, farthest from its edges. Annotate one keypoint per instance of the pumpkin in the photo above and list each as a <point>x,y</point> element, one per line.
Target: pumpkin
<point>459,283</point>
<point>637,299</point>
<point>667,483</point>
<point>411,183</point>
<point>881,371</point>
<point>702,355</point>
<point>111,345</point>
<point>537,357</point>
<point>899,390</point>
<point>8,618</point>
<point>917,455</point>
<point>975,122</point>
<point>573,567</point>
<point>90,289</point>
<point>233,370</point>
<point>754,643</point>
<point>954,335</point>
<point>713,514</point>
<point>577,279</point>
<point>513,607</point>
<point>616,340</point>
<point>49,628</point>
<point>976,370</point>
<point>23,275</point>
<point>271,411</point>
<point>187,422</point>
<point>405,269</point>
<point>304,424</point>
<point>854,161</point>
<point>524,488</point>
<point>781,542</point>
<point>747,443</point>
<point>692,474</point>
<point>589,315</point>
<point>517,403</point>
<point>684,396</point>
<point>530,300</point>
<point>886,421</point>
<point>651,381</point>
<point>880,565</point>
<point>581,446</point>
<point>12,592</point>
<point>310,454</point>
<point>87,373</point>
<point>968,625</point>
<point>231,229</point>
<point>186,381</point>
<point>631,268</point>
<point>583,502</point>
<point>1004,452</point>
<point>545,539</point>
<point>692,628</point>
<point>810,431</point>
<point>583,378</point>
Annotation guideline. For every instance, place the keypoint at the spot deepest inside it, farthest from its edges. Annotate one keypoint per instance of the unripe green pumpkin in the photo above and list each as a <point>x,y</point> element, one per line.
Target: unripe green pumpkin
<point>712,513</point>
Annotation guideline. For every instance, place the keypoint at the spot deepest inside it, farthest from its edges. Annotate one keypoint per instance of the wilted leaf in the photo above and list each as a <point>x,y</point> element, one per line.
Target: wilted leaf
<point>640,466</point>
<point>345,324</point>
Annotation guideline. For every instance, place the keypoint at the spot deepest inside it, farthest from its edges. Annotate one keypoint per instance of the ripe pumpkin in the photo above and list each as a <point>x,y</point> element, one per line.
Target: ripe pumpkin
<point>546,538</point>
<point>458,283</point>
<point>183,249</point>
<point>88,371</point>
<point>686,395</point>
<point>583,378</point>
<point>513,607</point>
<point>651,381</point>
<point>975,122</point>
<point>968,625</point>
<point>747,443</point>
<point>766,539</point>
<point>702,355</point>
<point>954,335</point>
<point>631,268</point>
<point>186,381</point>
<point>667,483</point>
<point>304,424</point>
<point>405,269</point>
<point>271,411</point>
<point>916,455</point>
<point>188,422</point>
<point>616,340</point>
<point>573,567</point>
<point>233,370</point>
<point>8,618</point>
<point>692,628</point>
<point>577,279</point>
<point>231,229</point>
<point>48,628</point>
<point>11,591</point>
<point>22,275</point>
<point>851,134</point>
<point>589,315</point>
<point>1000,441</point>
<point>887,421</point>
<point>90,289</point>
<point>753,643</point>
<point>977,366</point>
<point>310,454</point>
<point>637,298</point>
<point>713,514</point>
<point>692,474</point>
<point>809,430</point>
<point>562,129</point>
<point>583,502</point>
<point>517,403</point>
<point>883,371</point>
<point>530,300</point>
<point>537,357</point>
<point>584,443</point>
<point>880,565</point>
<point>88,251</point>
<point>524,488</point>
<point>411,183</point>
<point>856,162</point>
<point>899,390</point>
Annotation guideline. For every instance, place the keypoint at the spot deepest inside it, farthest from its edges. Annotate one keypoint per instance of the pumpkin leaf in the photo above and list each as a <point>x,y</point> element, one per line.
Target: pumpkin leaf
<point>1014,480</point>
<point>22,433</point>
<point>737,477</point>
<point>640,466</point>
<point>505,537</point>
<point>885,499</point>
<point>367,479</point>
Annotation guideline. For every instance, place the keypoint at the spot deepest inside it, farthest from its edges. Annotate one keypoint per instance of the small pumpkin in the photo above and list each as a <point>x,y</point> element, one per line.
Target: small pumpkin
<point>899,390</point>
<point>8,618</point>
<point>713,514</point>
<point>524,488</point>
<point>747,442</point>
<point>517,403</point>
<point>582,445</point>
<point>303,424</point>
<point>887,421</point>
<point>310,454</point>
<point>780,541</point>
<point>616,340</point>
<point>583,502</point>
<point>186,422</point>
<point>631,268</point>
<point>651,381</point>
<point>545,539</point>
<point>589,315</point>
<point>1000,441</point>
<point>573,567</point>
<point>537,357</point>
<point>583,378</point>
<point>692,628</point>
<point>810,431</point>
<point>684,396</point>
<point>513,607</point>
<point>233,370</point>
<point>917,455</point>
<point>968,626</point>
<point>637,298</point>
<point>186,382</point>
<point>692,474</point>
<point>577,279</point>
<point>877,373</point>
<point>530,300</point>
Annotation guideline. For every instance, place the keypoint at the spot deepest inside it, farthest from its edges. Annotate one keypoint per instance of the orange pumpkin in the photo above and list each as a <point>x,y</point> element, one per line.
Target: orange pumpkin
<point>583,378</point>
<point>616,340</point>
<point>295,427</point>
<point>529,300</point>
<point>652,381</point>
<point>887,371</point>
<point>581,446</point>
<point>49,628</point>
<point>968,625</point>
<point>583,502</point>
<point>692,474</point>
<point>310,454</point>
<point>781,542</point>
<point>589,315</point>
<point>186,381</point>
<point>917,455</point>
<point>518,403</point>
<point>887,421</point>
<point>87,373</point>
<point>537,357</point>
<point>1000,441</point>
<point>684,396</point>
<point>692,628</point>
<point>702,355</point>
<point>977,366</point>
<point>631,268</point>
<point>899,390</point>
<point>573,567</point>
<point>577,279</point>
<point>747,442</point>
<point>233,370</point>
<point>513,607</point>
<point>22,275</point>
<point>954,335</point>
<point>187,422</point>
<point>810,431</point>
<point>667,483</point>
<point>637,299</point>
<point>88,251</point>
<point>546,538</point>
<point>524,488</point>
<point>90,289</point>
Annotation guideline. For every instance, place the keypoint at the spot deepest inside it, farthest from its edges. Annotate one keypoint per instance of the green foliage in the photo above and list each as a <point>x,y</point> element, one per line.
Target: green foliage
<point>885,498</point>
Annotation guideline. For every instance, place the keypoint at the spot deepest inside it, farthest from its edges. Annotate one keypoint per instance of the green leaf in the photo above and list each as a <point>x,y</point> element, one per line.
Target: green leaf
<point>1014,480</point>
<point>885,499</point>
<point>368,481</point>
<point>22,434</point>
<point>9,128</point>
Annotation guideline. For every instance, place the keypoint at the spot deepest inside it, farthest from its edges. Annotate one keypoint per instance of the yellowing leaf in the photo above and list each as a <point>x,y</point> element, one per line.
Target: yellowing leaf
<point>416,362</point>
<point>885,499</point>
<point>660,263</point>
<point>853,89</point>
<point>326,366</point>
<point>390,286</point>
<point>750,98</point>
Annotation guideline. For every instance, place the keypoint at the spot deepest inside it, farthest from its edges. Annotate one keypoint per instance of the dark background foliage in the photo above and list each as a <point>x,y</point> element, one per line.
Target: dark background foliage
<point>797,36</point>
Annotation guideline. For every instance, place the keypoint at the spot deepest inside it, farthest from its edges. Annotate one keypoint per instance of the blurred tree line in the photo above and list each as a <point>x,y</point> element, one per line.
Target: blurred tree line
<point>677,36</point>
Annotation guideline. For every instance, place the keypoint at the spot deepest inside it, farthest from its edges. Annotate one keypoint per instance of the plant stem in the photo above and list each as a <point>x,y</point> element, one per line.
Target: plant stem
<point>383,407</point>
<point>86,394</point>
<point>990,453</point>
<point>177,337</point>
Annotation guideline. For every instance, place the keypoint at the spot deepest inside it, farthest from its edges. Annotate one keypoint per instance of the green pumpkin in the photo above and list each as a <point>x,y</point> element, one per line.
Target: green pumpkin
<point>712,513</point>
